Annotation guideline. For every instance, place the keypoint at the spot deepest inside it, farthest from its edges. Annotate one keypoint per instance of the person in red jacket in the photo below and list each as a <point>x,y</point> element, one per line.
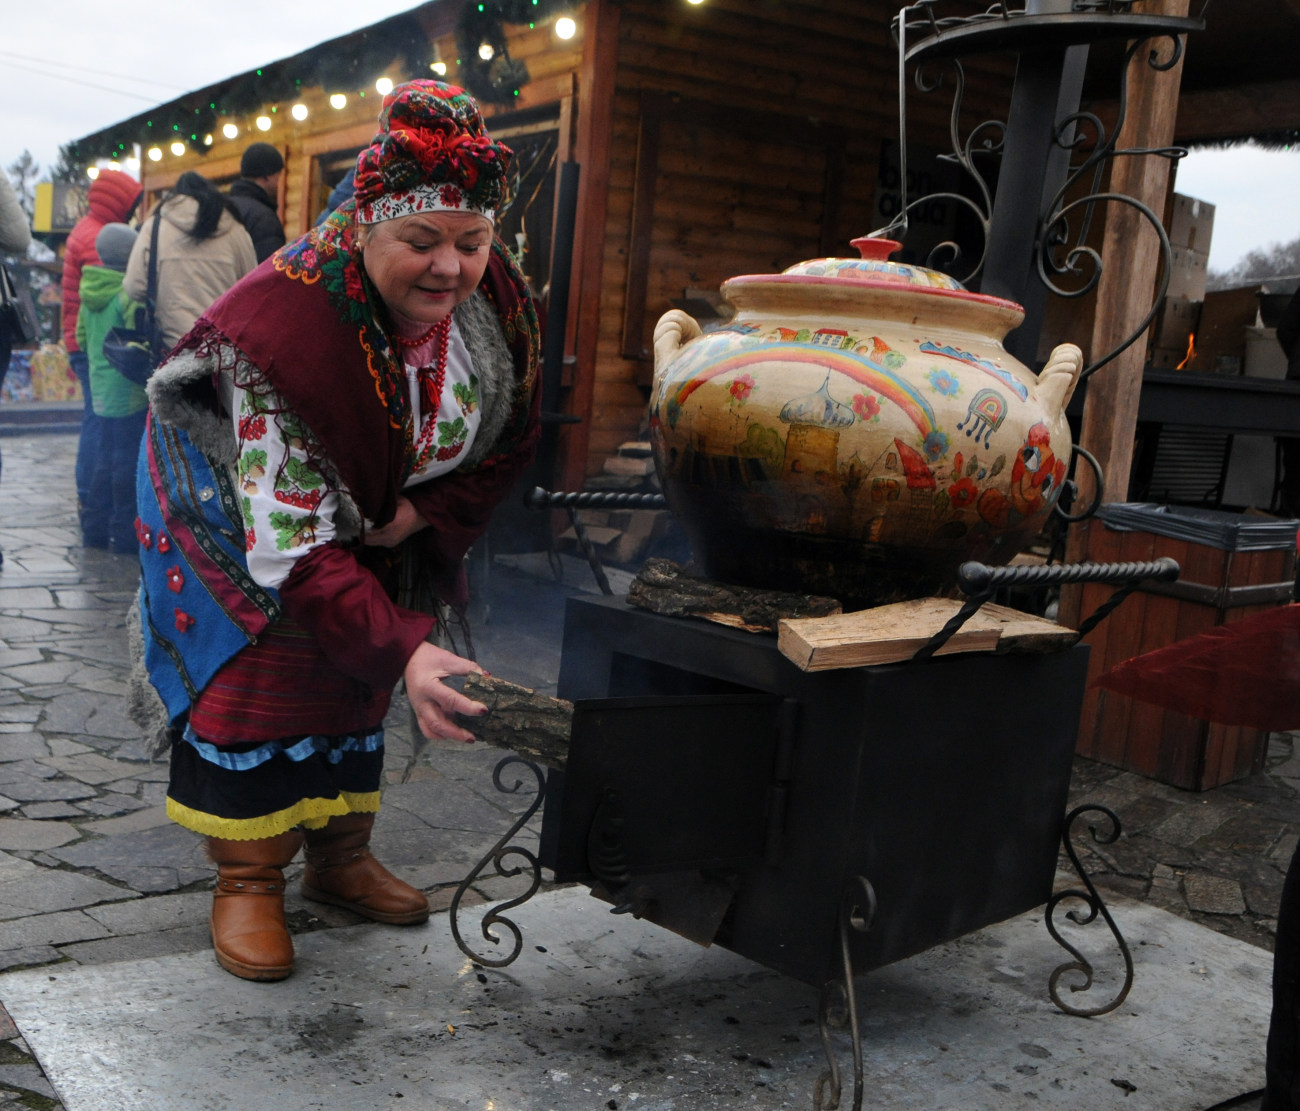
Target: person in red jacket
<point>114,197</point>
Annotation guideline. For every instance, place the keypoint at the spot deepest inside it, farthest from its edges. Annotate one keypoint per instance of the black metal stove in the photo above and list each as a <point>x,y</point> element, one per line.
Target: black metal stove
<point>717,790</point>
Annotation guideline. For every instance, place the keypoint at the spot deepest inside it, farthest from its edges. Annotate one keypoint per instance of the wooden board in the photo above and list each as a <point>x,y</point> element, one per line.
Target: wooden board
<point>889,634</point>
<point>1023,632</point>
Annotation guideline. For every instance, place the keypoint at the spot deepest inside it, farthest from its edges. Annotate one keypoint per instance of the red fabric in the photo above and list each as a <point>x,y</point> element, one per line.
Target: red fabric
<point>1246,672</point>
<point>359,629</point>
<point>281,686</point>
<point>111,199</point>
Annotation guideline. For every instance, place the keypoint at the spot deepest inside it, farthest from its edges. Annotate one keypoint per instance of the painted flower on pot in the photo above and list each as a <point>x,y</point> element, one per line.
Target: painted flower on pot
<point>963,492</point>
<point>740,389</point>
<point>943,382</point>
<point>865,406</point>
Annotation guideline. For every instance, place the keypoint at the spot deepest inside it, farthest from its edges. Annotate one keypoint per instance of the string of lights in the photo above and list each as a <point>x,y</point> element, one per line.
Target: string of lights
<point>346,69</point>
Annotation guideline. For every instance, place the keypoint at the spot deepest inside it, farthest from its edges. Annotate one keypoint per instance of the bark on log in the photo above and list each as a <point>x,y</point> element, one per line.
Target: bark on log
<point>520,719</point>
<point>664,587</point>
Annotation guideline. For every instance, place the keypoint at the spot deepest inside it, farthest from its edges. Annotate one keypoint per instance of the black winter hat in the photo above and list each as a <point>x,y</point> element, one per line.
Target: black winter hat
<point>260,160</point>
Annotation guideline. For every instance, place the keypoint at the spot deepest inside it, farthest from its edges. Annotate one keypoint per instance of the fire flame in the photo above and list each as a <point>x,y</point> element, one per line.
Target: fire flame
<point>1191,351</point>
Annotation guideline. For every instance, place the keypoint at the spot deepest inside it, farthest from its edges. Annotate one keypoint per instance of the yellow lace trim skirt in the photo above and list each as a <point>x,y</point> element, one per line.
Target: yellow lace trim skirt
<point>247,792</point>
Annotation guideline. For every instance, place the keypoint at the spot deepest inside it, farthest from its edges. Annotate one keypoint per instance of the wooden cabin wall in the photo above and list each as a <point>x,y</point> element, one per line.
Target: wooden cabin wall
<point>761,98</point>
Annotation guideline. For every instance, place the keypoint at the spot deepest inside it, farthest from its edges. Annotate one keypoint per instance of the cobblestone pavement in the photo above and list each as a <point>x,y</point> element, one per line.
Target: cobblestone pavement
<point>91,870</point>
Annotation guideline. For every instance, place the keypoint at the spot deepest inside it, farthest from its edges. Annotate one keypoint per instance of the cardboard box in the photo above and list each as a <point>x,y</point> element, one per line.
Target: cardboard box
<point>1221,336</point>
<point>1187,273</point>
<point>1190,223</point>
<point>1177,319</point>
<point>1264,355</point>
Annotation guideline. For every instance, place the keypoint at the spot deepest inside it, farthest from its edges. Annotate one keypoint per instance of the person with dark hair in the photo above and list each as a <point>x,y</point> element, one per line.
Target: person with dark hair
<point>341,423</point>
<point>203,250</point>
<point>113,198</point>
<point>255,196</point>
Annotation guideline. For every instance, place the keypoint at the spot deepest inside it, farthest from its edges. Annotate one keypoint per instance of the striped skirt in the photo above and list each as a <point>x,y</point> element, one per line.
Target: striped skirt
<point>244,792</point>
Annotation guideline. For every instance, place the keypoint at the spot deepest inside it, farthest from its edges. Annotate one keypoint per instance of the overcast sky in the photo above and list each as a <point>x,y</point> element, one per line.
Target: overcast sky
<point>71,67</point>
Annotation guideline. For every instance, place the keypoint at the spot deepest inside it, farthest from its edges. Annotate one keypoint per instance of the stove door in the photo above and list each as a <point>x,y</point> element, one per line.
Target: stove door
<point>683,784</point>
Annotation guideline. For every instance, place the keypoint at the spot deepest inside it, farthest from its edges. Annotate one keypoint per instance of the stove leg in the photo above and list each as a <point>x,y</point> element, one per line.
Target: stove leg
<point>1084,915</point>
<point>839,1002</point>
<point>496,856</point>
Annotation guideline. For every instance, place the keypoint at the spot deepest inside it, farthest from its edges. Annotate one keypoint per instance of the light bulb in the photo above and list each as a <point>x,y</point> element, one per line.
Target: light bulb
<point>263,123</point>
<point>230,131</point>
<point>439,67</point>
<point>115,166</point>
<point>384,86</point>
<point>155,154</point>
<point>565,28</point>
<point>178,148</point>
<point>338,100</point>
<point>92,172</point>
<point>485,51</point>
<point>207,139</point>
<point>298,111</point>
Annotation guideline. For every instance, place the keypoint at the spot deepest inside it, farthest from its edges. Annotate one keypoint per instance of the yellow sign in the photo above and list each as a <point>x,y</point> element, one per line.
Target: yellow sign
<point>58,207</point>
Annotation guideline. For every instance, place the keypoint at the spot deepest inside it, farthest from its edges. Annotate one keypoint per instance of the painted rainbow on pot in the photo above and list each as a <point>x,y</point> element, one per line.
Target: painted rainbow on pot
<point>861,370</point>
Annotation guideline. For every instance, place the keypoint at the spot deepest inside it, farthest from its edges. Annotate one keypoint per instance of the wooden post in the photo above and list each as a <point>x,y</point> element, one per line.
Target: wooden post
<point>592,149</point>
<point>1130,264</point>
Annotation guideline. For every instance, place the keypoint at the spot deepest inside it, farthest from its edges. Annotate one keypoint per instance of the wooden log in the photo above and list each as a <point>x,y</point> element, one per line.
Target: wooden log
<point>890,634</point>
<point>881,635</point>
<point>664,587</point>
<point>520,719</point>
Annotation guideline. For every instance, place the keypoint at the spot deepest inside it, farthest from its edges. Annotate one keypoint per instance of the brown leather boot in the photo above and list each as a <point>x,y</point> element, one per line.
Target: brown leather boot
<point>341,871</point>
<point>248,931</point>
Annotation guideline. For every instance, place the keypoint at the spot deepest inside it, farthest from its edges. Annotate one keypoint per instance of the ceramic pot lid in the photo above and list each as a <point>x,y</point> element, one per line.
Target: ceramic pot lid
<point>874,266</point>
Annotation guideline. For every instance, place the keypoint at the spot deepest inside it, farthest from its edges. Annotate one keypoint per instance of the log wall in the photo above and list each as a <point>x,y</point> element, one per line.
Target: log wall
<point>762,99</point>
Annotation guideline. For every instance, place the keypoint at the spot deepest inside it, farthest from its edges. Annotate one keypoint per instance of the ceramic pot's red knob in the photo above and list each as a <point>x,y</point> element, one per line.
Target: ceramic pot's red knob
<point>878,250</point>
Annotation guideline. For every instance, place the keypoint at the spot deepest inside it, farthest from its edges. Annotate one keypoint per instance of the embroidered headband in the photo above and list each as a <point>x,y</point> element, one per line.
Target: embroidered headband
<point>432,154</point>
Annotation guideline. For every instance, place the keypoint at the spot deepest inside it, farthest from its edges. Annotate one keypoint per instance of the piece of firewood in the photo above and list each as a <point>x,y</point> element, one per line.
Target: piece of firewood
<point>520,719</point>
<point>1023,632</point>
<point>663,587</point>
<point>882,635</point>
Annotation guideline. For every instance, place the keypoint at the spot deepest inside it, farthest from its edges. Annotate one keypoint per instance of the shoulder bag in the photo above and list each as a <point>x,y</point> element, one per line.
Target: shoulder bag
<point>135,352</point>
<point>17,318</point>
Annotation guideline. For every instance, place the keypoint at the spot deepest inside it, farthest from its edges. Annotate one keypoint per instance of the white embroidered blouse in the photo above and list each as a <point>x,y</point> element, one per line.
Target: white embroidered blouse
<point>290,494</point>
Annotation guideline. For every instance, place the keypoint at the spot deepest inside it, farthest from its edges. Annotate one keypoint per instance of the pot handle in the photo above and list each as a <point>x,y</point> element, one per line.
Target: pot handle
<point>673,332</point>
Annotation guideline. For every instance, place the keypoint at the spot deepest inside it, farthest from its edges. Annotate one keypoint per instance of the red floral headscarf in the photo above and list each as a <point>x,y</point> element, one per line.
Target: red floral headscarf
<point>432,153</point>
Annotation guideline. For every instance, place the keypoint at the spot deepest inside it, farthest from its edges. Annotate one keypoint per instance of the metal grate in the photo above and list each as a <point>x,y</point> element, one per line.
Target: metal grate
<point>1189,467</point>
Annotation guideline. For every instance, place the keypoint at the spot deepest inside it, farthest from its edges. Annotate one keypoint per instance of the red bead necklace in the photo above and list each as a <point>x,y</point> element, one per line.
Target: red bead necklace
<point>431,379</point>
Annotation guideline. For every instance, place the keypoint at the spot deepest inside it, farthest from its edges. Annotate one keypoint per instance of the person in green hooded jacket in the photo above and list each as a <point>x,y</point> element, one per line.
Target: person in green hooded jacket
<point>108,518</point>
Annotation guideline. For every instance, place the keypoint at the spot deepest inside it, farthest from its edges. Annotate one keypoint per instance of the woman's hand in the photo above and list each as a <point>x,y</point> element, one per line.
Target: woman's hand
<point>406,522</point>
<point>435,704</point>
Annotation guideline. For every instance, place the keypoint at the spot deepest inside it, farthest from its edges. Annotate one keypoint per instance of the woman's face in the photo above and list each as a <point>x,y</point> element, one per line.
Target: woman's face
<point>425,264</point>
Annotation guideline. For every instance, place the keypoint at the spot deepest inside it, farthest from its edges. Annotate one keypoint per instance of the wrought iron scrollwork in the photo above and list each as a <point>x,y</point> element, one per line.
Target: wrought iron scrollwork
<point>839,1003</point>
<point>1066,263</point>
<point>1094,906</point>
<point>497,857</point>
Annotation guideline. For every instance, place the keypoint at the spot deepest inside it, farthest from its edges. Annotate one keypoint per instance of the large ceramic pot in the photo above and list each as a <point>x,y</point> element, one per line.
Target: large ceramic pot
<point>856,430</point>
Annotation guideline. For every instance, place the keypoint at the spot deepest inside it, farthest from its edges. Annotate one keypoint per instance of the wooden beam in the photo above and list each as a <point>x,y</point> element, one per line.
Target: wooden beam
<point>595,129</point>
<point>1238,112</point>
<point>1130,262</point>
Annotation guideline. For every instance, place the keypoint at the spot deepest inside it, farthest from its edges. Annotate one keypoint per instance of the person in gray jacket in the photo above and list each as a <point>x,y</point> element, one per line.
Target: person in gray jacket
<point>203,250</point>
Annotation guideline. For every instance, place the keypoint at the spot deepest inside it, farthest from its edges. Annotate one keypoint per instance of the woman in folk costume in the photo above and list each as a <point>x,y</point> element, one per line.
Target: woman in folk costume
<point>354,408</point>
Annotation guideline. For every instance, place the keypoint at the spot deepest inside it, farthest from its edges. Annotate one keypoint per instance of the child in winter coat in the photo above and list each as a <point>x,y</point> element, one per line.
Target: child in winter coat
<point>108,518</point>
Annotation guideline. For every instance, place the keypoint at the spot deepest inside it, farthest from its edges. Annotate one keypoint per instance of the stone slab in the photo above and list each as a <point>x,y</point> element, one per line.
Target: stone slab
<point>609,1012</point>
